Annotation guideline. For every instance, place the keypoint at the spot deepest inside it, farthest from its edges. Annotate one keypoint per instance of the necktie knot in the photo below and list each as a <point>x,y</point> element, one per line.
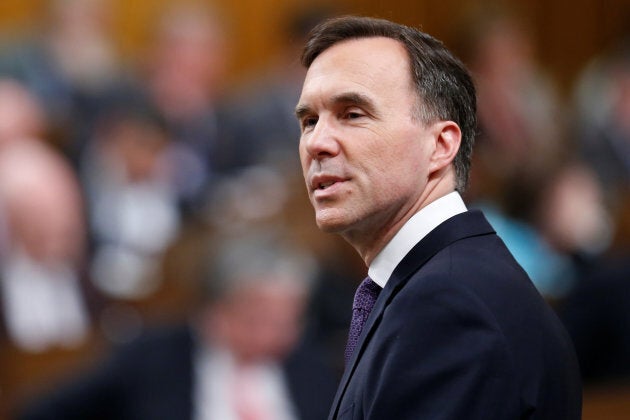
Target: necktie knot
<point>364,300</point>
<point>366,295</point>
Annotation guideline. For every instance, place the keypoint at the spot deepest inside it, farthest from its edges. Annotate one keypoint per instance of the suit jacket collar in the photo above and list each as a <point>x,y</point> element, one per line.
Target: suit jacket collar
<point>412,232</point>
<point>464,225</point>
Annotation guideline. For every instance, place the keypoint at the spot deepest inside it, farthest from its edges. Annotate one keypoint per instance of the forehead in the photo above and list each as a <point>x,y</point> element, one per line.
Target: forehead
<point>376,64</point>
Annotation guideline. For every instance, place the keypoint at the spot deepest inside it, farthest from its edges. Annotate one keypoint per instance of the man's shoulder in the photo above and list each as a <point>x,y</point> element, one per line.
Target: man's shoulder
<point>157,346</point>
<point>477,274</point>
<point>480,266</point>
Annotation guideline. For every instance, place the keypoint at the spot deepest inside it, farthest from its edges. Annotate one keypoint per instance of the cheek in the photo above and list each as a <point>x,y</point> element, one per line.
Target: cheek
<point>400,170</point>
<point>395,162</point>
<point>413,157</point>
<point>305,160</point>
<point>302,150</point>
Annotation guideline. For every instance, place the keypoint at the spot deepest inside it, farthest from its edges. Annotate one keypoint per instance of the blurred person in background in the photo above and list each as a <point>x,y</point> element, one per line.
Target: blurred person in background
<point>572,215</point>
<point>520,143</point>
<point>71,64</point>
<point>184,74</point>
<point>21,113</point>
<point>239,358</point>
<point>602,121</point>
<point>569,227</point>
<point>262,195</point>
<point>43,239</point>
<point>520,123</point>
<point>42,258</point>
<point>134,213</point>
<point>596,311</point>
<point>47,303</point>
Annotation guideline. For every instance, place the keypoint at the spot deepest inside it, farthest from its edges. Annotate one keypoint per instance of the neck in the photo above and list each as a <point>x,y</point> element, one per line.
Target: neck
<point>370,243</point>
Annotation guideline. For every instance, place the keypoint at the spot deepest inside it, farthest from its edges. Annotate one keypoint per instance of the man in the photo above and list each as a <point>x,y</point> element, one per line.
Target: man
<point>458,330</point>
<point>239,360</point>
<point>42,254</point>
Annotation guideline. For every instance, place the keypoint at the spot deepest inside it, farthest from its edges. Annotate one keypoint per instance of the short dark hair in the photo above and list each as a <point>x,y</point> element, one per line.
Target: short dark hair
<point>443,83</point>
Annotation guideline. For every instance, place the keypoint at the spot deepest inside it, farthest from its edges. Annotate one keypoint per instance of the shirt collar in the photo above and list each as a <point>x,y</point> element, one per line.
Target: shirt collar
<point>416,228</point>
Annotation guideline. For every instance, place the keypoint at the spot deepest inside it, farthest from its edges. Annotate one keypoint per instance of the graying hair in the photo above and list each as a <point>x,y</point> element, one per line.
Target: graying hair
<point>256,258</point>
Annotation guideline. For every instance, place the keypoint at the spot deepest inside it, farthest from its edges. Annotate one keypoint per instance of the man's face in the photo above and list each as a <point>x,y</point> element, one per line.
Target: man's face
<point>364,155</point>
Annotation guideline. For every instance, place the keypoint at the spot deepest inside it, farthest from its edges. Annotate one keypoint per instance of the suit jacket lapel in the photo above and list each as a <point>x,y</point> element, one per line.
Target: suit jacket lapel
<point>468,224</point>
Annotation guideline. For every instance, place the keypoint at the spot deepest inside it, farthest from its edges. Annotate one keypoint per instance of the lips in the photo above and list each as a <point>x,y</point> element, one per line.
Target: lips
<point>324,185</point>
<point>324,182</point>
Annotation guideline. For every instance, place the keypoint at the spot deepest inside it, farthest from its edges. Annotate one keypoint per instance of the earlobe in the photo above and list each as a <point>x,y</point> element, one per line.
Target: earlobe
<point>447,137</point>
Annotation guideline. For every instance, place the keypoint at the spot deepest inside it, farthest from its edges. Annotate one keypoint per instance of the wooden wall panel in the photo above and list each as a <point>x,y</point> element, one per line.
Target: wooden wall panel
<point>567,32</point>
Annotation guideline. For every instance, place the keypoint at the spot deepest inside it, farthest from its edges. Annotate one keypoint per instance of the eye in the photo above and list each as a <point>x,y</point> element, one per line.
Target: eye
<point>353,114</point>
<point>308,122</point>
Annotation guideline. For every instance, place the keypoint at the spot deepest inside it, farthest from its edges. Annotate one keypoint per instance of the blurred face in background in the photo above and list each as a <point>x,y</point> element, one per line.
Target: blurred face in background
<point>259,321</point>
<point>43,203</point>
<point>21,114</point>
<point>140,147</point>
<point>188,62</point>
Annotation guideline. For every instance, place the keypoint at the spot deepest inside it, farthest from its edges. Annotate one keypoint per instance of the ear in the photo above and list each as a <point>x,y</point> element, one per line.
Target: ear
<point>448,137</point>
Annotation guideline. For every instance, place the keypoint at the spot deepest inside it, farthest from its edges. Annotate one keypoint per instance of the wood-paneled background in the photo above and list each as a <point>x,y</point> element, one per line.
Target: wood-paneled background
<point>566,32</point>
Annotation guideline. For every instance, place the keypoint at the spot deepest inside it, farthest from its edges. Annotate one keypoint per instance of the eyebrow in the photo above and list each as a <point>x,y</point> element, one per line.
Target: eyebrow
<point>345,98</point>
<point>302,110</point>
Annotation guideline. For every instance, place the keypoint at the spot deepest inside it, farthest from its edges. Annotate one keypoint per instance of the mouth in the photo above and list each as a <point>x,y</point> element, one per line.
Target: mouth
<point>322,183</point>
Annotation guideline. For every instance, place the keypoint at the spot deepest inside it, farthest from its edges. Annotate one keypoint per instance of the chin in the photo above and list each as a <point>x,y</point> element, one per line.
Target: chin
<point>329,224</point>
<point>327,228</point>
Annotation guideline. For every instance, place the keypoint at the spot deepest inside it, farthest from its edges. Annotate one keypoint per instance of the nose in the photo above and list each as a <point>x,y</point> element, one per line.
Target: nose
<point>321,142</point>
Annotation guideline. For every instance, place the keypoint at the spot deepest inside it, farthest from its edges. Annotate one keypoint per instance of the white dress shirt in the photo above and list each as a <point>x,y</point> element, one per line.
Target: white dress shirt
<point>416,228</point>
<point>43,303</point>
<point>221,386</point>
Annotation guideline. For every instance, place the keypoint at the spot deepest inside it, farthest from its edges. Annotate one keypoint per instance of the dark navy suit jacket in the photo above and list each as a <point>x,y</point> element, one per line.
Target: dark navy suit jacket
<point>459,332</point>
<point>153,379</point>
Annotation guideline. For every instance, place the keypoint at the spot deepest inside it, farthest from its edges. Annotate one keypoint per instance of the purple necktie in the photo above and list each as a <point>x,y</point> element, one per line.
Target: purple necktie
<point>364,300</point>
